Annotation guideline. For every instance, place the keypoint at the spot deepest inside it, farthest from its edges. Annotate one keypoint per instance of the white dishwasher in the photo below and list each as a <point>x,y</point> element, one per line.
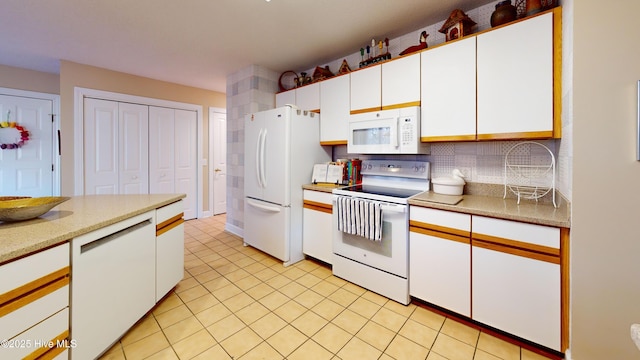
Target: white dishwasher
<point>113,282</point>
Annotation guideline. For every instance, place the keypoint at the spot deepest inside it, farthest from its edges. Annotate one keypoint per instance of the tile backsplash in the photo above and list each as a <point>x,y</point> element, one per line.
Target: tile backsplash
<point>480,162</point>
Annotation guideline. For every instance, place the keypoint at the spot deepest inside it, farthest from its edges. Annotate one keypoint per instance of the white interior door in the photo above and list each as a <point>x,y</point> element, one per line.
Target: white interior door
<point>101,173</point>
<point>186,160</point>
<point>133,148</point>
<point>27,171</point>
<point>218,124</point>
<point>161,150</point>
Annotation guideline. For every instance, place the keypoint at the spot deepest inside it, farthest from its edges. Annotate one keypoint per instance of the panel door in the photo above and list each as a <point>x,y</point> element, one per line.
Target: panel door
<point>517,294</point>
<point>186,160</point>
<point>334,109</point>
<point>308,97</point>
<point>161,150</point>
<point>448,81</point>
<point>133,146</point>
<point>515,79</point>
<point>401,82</point>
<point>27,171</point>
<point>101,169</point>
<point>366,89</point>
<point>218,122</point>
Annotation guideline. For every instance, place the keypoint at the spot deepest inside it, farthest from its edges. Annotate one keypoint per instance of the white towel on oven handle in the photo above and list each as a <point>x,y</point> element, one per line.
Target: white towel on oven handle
<point>360,217</point>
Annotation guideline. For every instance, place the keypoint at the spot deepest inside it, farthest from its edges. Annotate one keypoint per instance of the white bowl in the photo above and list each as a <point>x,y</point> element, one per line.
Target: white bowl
<point>448,186</point>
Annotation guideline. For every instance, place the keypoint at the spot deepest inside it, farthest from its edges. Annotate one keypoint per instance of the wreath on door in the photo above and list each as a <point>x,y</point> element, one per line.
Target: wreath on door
<point>24,135</point>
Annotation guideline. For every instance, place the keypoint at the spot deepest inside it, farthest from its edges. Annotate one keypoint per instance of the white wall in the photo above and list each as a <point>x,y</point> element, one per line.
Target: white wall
<point>605,241</point>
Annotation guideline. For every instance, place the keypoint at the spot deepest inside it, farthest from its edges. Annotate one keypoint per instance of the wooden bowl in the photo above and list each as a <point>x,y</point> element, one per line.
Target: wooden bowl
<point>19,209</point>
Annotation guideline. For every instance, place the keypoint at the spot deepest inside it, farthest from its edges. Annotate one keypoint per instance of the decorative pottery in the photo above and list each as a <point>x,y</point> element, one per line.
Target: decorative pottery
<point>534,7</point>
<point>504,13</point>
<point>28,208</point>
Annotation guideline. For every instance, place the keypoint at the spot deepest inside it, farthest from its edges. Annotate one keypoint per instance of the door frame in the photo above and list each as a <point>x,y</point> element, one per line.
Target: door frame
<point>212,110</point>
<point>55,145</point>
<point>79,93</point>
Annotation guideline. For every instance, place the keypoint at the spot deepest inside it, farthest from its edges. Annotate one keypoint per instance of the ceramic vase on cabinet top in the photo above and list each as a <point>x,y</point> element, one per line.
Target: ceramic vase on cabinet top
<point>504,13</point>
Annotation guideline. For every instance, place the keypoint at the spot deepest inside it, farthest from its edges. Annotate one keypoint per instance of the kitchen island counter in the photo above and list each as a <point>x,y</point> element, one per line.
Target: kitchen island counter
<point>79,215</point>
<point>527,211</point>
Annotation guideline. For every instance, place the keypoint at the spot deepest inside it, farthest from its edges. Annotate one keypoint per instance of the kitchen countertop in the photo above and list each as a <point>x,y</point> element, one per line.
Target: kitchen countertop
<point>322,187</point>
<point>79,215</point>
<point>527,211</point>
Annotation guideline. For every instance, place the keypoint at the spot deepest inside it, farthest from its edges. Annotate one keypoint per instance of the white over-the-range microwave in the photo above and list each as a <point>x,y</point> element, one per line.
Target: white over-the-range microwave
<point>394,131</point>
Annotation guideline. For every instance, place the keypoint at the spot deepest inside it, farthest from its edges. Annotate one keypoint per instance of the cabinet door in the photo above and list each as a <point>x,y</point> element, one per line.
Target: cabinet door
<point>286,97</point>
<point>317,230</point>
<point>169,247</point>
<point>401,82</point>
<point>515,80</point>
<point>308,97</point>
<point>516,278</point>
<point>517,294</point>
<point>161,150</point>
<point>133,147</point>
<point>448,84</point>
<point>366,89</point>
<point>334,110</point>
<point>440,258</point>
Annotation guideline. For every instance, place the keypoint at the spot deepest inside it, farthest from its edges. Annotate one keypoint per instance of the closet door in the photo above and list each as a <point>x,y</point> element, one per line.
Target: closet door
<point>186,160</point>
<point>134,148</point>
<point>161,150</point>
<point>101,171</point>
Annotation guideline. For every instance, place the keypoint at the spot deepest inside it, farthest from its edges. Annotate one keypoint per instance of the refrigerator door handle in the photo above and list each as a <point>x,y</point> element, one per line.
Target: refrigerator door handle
<point>263,159</point>
<point>258,143</point>
<point>260,206</point>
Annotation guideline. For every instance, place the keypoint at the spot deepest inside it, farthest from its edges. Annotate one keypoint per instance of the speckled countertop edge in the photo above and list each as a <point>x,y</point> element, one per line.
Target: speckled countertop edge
<point>508,209</point>
<point>486,200</point>
<point>79,215</point>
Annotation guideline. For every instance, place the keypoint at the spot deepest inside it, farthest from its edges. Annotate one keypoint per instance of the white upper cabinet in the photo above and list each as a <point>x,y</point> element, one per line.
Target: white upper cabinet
<point>516,80</point>
<point>448,83</point>
<point>334,110</point>
<point>401,82</point>
<point>366,88</point>
<point>286,97</point>
<point>308,97</point>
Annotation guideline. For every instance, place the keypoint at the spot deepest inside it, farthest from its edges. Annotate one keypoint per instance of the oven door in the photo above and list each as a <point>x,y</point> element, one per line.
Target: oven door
<point>390,254</point>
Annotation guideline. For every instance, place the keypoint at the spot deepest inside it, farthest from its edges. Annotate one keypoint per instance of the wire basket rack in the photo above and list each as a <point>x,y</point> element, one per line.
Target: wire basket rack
<point>530,177</point>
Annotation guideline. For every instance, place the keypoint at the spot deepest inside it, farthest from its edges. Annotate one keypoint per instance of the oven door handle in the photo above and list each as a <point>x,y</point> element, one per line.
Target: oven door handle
<point>400,209</point>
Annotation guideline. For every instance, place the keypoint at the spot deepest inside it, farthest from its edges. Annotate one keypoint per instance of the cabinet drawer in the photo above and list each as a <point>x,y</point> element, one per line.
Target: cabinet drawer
<point>440,220</point>
<point>19,272</point>
<point>33,340</point>
<point>170,211</point>
<point>32,313</point>
<point>318,196</point>
<point>516,231</point>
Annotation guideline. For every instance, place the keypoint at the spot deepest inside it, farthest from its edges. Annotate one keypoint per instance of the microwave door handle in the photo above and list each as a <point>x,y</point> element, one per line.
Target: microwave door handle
<point>396,138</point>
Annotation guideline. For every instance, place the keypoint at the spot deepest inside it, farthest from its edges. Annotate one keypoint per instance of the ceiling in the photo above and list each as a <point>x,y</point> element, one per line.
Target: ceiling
<point>198,42</point>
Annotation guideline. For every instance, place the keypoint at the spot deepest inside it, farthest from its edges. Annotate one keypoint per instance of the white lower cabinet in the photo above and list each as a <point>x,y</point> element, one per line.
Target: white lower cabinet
<point>440,258</point>
<point>169,247</point>
<point>516,275</point>
<point>34,315</point>
<point>317,225</point>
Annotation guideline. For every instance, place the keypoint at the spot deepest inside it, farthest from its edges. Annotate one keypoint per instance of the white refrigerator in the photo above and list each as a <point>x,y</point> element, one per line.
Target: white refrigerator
<point>281,147</point>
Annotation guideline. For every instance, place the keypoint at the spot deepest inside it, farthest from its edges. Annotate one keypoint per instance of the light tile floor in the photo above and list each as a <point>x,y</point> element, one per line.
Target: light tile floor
<point>235,302</point>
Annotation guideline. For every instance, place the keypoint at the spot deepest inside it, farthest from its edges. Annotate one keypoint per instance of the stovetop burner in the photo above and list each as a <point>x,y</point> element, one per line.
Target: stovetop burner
<point>383,190</point>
